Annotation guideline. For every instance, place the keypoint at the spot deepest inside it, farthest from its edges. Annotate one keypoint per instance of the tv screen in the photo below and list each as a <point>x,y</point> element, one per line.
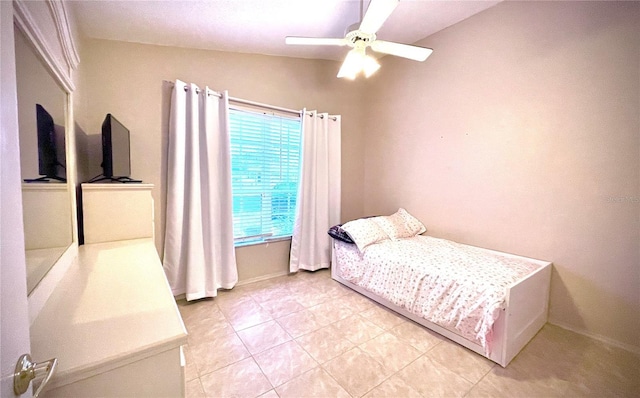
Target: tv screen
<point>47,159</point>
<point>115,148</point>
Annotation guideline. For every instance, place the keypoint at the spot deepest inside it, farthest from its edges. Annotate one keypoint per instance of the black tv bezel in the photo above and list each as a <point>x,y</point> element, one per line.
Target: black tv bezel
<point>47,150</point>
<point>107,147</point>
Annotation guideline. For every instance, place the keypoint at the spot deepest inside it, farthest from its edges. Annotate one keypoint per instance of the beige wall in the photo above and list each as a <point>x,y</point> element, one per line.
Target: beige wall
<point>521,133</point>
<point>127,80</point>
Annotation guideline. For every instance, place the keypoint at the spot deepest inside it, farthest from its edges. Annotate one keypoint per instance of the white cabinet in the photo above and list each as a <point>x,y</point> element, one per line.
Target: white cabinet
<point>114,212</point>
<point>112,321</point>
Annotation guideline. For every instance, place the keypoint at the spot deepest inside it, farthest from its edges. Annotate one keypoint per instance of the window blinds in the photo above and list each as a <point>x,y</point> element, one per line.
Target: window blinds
<point>265,172</point>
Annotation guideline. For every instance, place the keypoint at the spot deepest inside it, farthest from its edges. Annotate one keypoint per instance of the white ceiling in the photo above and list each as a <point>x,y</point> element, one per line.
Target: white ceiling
<point>259,26</point>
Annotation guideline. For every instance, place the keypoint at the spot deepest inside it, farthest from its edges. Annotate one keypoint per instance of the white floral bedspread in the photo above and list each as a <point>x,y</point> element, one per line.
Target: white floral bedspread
<point>452,285</point>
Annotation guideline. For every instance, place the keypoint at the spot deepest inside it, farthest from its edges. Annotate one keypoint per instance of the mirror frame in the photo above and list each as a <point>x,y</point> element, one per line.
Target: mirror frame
<point>61,67</point>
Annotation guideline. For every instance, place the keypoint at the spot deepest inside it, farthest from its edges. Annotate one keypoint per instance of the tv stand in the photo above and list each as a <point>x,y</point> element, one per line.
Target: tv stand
<point>123,180</point>
<point>45,179</point>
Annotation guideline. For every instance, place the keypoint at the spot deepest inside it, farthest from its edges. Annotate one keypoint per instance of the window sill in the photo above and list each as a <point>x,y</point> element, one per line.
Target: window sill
<point>262,242</point>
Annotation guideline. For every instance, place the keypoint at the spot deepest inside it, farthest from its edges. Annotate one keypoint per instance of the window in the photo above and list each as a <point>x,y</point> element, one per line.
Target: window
<point>265,171</point>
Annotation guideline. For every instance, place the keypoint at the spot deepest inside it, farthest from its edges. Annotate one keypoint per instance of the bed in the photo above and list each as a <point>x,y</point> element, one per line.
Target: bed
<point>490,302</point>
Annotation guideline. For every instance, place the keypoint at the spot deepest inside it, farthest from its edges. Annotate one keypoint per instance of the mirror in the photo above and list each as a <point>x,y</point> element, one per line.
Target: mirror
<point>46,201</point>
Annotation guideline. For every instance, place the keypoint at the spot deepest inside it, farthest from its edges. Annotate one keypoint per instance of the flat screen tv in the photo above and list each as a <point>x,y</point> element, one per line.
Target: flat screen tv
<point>115,148</point>
<point>116,154</point>
<point>47,155</point>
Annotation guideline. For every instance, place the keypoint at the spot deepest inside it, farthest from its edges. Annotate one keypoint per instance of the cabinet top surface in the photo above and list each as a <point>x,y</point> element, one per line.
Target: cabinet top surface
<point>115,186</point>
<point>113,304</point>
<point>54,186</point>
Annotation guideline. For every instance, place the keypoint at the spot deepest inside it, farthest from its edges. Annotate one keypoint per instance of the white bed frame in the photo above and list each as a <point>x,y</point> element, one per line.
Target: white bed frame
<point>523,315</point>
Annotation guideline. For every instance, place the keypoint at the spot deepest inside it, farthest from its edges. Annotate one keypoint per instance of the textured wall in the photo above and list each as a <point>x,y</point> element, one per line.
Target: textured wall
<point>521,133</point>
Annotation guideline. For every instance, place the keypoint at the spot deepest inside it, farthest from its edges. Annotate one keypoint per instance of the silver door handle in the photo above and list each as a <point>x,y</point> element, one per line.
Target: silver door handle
<point>26,370</point>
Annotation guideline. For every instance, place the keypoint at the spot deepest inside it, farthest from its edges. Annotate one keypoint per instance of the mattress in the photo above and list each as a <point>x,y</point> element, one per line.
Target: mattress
<point>456,286</point>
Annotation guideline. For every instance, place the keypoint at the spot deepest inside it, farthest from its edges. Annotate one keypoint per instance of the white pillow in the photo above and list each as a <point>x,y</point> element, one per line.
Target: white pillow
<point>400,225</point>
<point>364,232</point>
<point>393,225</point>
<point>412,223</point>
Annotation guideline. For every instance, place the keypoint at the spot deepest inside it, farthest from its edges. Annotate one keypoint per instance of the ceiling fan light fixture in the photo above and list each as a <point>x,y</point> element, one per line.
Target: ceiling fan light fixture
<point>369,65</point>
<point>352,65</point>
<point>357,61</point>
<point>363,36</point>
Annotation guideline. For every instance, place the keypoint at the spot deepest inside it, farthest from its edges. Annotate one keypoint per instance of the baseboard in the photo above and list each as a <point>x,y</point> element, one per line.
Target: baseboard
<point>603,339</point>
<point>244,282</point>
<point>262,278</point>
<point>182,296</point>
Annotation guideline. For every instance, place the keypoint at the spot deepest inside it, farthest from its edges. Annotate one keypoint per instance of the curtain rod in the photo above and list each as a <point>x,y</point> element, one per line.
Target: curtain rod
<point>261,105</point>
<point>246,102</point>
<point>321,116</point>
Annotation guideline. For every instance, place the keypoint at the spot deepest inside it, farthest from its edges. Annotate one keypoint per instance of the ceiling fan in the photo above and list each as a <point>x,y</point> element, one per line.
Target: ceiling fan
<point>359,38</point>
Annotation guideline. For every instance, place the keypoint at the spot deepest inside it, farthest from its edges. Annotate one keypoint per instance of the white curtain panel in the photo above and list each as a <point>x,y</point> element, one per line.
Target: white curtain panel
<point>318,206</point>
<point>199,255</point>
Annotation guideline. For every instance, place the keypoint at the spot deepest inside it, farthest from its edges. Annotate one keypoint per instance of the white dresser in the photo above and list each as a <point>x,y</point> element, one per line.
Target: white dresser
<point>112,321</point>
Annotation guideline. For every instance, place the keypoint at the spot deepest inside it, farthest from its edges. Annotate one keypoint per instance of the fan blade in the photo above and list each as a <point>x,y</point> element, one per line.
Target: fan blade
<point>377,12</point>
<point>401,50</point>
<point>315,41</point>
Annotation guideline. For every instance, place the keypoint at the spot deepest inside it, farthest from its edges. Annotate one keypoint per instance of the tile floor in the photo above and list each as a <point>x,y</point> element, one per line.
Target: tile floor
<point>306,335</point>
